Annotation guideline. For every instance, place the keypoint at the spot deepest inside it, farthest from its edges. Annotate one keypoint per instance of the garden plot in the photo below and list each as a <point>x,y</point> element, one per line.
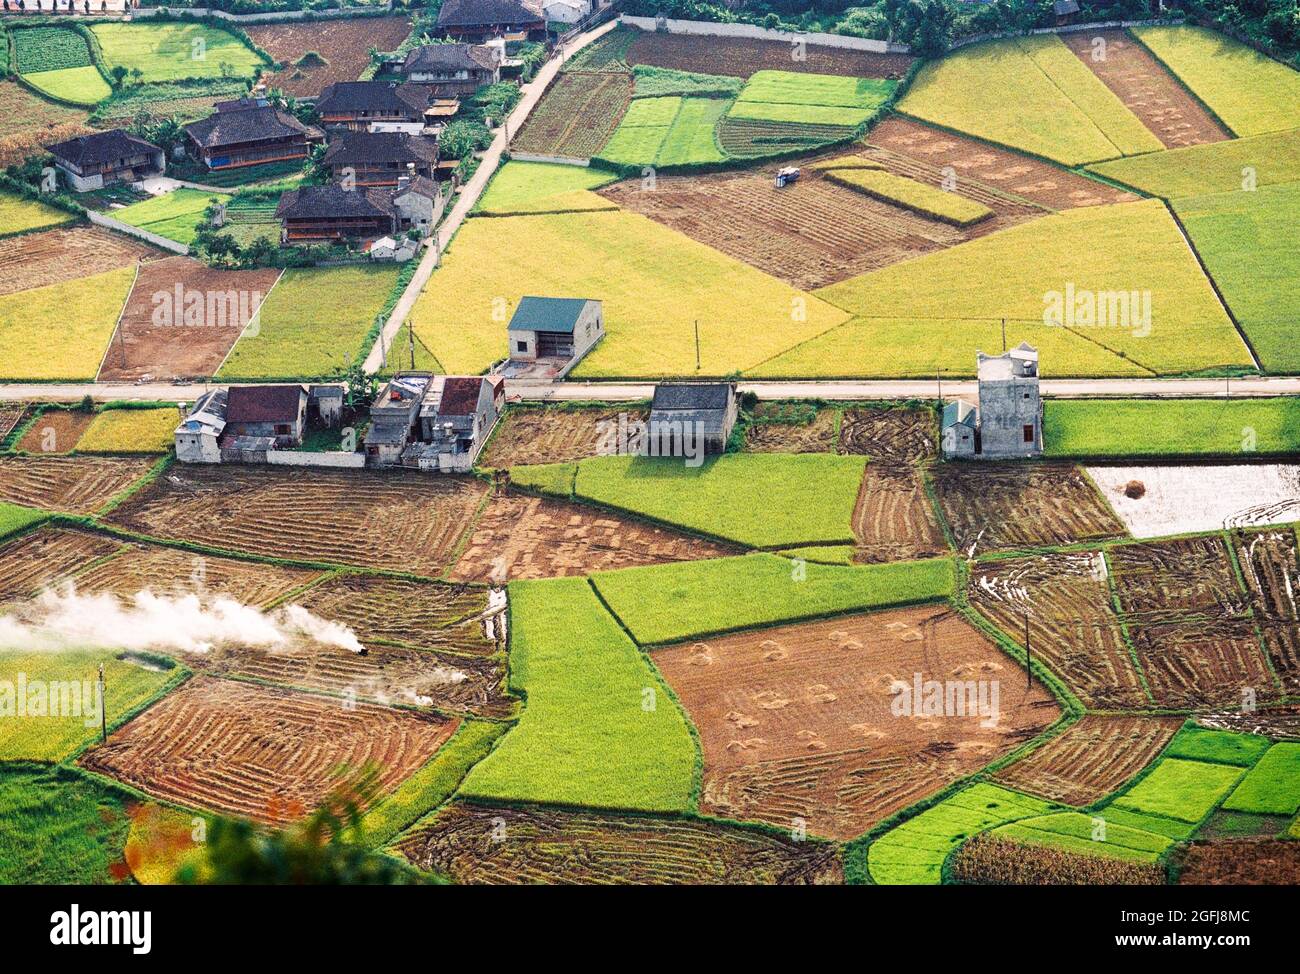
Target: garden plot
<point>530,435</point>
<point>1187,618</point>
<point>1146,88</point>
<point>408,614</point>
<point>48,556</point>
<point>181,320</point>
<point>777,427</point>
<point>813,232</point>
<point>1203,497</point>
<point>266,754</point>
<point>1240,862</point>
<point>1009,506</point>
<point>1073,627</point>
<point>1091,759</point>
<point>519,536</point>
<point>1010,172</point>
<point>343,46</point>
<point>576,116</point>
<point>740,57</point>
<point>1269,564</point>
<point>797,723</point>
<point>407,520</point>
<point>40,259</point>
<point>551,846</point>
<point>77,485</point>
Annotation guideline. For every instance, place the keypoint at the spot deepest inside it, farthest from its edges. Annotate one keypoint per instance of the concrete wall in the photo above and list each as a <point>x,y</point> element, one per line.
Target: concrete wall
<point>561,160</point>
<point>816,38</point>
<point>333,459</point>
<point>1007,406</point>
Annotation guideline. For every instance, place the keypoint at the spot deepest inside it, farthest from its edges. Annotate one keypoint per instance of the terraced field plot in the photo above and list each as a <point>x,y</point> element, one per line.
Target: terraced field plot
<point>797,722</point>
<point>1146,88</point>
<point>576,116</point>
<point>894,519</point>
<point>1091,759</point>
<point>31,122</point>
<point>548,435</point>
<point>181,100</point>
<point>813,232</point>
<point>48,556</point>
<point>1019,175</point>
<point>414,615</point>
<point>342,45</point>
<point>358,519</point>
<point>55,431</point>
<point>740,57</point>
<point>1220,167</point>
<point>1269,564</point>
<point>261,753</point>
<point>542,187</point>
<point>168,51</point>
<point>19,215</point>
<point>77,485</point>
<point>199,328</point>
<point>1186,617</point>
<point>39,259</point>
<point>1010,507</point>
<point>519,536</point>
<point>554,846</point>
<point>756,138</point>
<point>1073,627</point>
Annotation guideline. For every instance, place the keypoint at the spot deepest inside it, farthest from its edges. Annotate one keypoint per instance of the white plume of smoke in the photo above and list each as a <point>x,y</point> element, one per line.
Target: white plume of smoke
<point>67,619</point>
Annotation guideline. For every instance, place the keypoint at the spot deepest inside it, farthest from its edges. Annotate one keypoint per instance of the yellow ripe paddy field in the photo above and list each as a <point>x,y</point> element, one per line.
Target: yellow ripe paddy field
<point>18,215</point>
<point>130,431</point>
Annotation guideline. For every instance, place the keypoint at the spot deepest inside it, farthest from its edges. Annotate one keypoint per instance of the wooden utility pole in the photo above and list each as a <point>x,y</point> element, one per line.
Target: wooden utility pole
<point>697,344</point>
<point>1029,671</point>
<point>1004,334</point>
<point>103,708</point>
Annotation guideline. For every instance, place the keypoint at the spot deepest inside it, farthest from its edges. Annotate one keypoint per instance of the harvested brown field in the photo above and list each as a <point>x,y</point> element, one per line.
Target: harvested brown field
<point>55,431</point>
<point>64,254</point>
<point>344,44</point>
<point>1092,759</point>
<point>1033,179</point>
<point>894,519</point>
<point>813,232</point>
<point>520,536</point>
<point>47,556</point>
<point>781,428</point>
<point>755,138</point>
<point>889,436</point>
<point>266,754</point>
<point>1277,722</point>
<point>77,485</point>
<point>543,845</point>
<point>171,571</point>
<point>413,615</point>
<point>1073,627</point>
<point>388,676</point>
<point>1012,506</point>
<point>193,347</point>
<point>577,115</point>
<point>987,860</point>
<point>739,57</point>
<point>32,122</point>
<point>403,520</point>
<point>1239,862</point>
<point>546,434</point>
<point>11,414</point>
<point>1269,563</point>
<point>797,722</point>
<point>1187,618</point>
<point>1149,91</point>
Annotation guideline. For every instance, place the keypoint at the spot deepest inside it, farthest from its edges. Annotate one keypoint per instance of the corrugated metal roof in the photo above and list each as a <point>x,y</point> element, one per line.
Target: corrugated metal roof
<point>554,315</point>
<point>692,395</point>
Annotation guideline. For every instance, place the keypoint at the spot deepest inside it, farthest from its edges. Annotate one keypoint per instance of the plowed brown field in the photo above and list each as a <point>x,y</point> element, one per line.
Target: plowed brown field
<point>890,436</point>
<point>1268,562</point>
<point>64,254</point>
<point>78,485</point>
<point>47,556</point>
<point>796,722</point>
<point>549,435</point>
<point>1281,722</point>
<point>534,537</point>
<point>740,57</point>
<point>344,44</point>
<point>56,431</point>
<point>894,519</point>
<point>476,844</point>
<point>1034,180</point>
<point>1073,627</point>
<point>1093,758</point>
<point>266,754</point>
<point>1240,862</point>
<point>768,435</point>
<point>142,349</point>
<point>1010,506</point>
<point>396,520</point>
<point>1146,88</point>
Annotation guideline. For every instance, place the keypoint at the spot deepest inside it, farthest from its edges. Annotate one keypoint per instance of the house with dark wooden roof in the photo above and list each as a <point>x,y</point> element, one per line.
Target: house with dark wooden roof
<point>91,162</point>
<point>683,414</point>
<point>380,158</point>
<point>455,68</point>
<point>246,133</point>
<point>316,213</point>
<point>270,416</point>
<point>478,20</point>
<point>363,105</point>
